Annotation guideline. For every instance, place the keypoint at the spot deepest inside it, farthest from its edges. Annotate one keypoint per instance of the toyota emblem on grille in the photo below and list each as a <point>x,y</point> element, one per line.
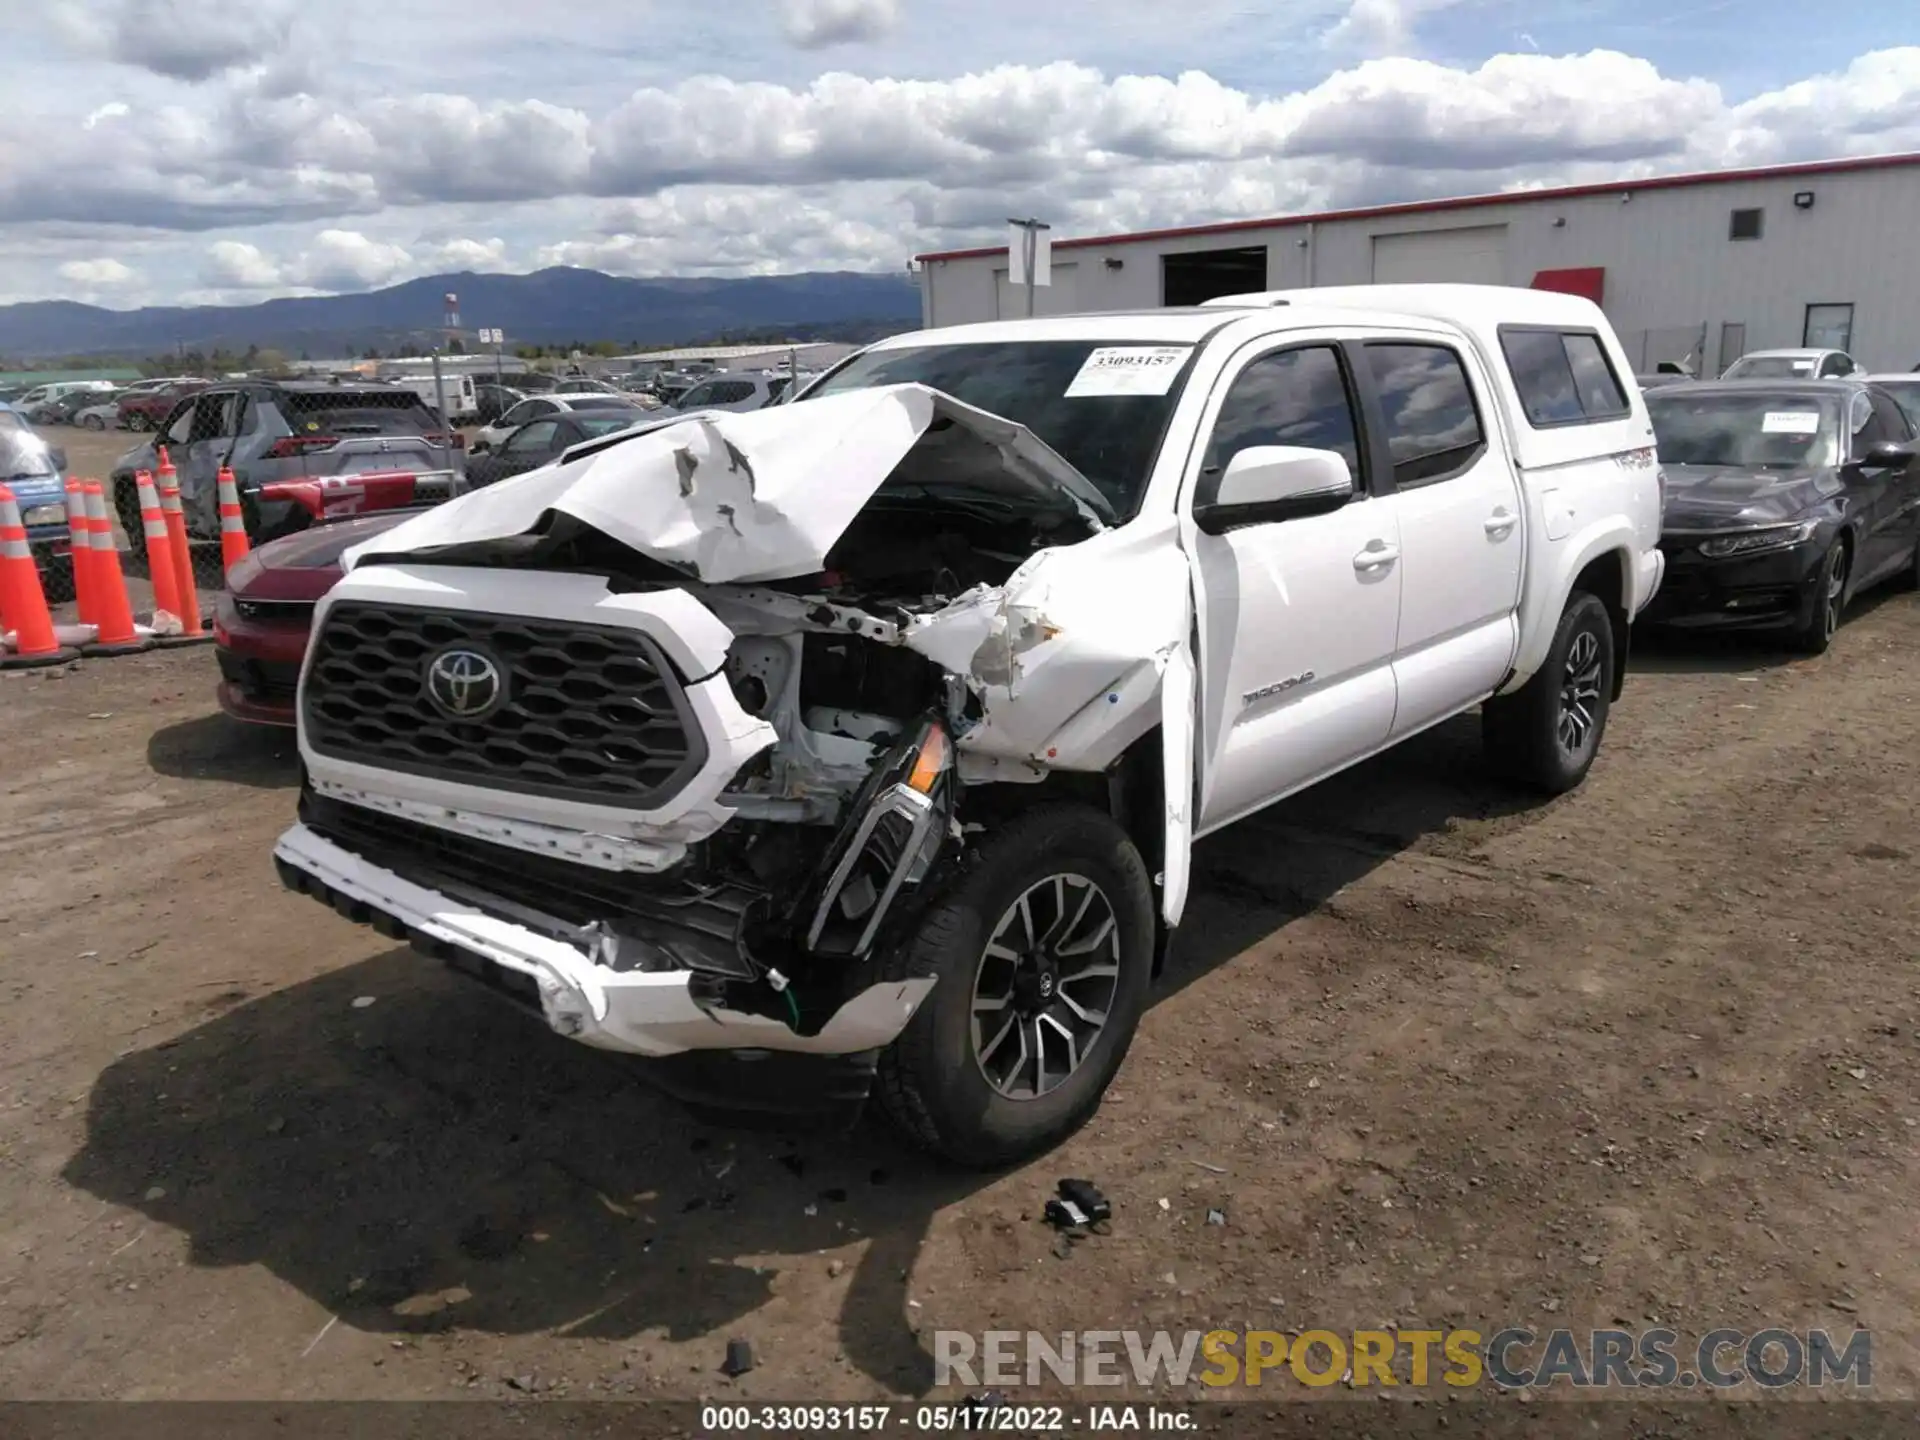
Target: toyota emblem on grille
<point>464,683</point>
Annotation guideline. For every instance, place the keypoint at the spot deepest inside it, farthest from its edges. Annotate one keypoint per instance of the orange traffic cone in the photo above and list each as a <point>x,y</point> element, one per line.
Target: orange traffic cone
<point>80,554</point>
<point>116,635</point>
<point>233,525</point>
<point>21,597</point>
<point>188,593</point>
<point>166,588</point>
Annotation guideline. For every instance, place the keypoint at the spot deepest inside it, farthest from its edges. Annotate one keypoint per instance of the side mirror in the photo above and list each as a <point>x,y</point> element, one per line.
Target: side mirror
<point>1265,483</point>
<point>1884,454</point>
<point>58,457</point>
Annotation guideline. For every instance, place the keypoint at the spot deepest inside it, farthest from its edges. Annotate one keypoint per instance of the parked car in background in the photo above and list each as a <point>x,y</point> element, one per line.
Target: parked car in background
<point>143,409</point>
<point>38,402</point>
<point>539,442</point>
<point>540,407</point>
<point>36,472</point>
<point>491,401</point>
<point>1791,365</point>
<point>1905,390</point>
<point>274,431</point>
<point>450,395</point>
<point>1784,501</point>
<point>261,619</point>
<point>101,415</point>
<point>732,392</point>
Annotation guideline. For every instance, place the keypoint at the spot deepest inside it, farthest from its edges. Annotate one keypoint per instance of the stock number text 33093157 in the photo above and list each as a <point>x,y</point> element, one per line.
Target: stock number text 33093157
<point>962,1416</point>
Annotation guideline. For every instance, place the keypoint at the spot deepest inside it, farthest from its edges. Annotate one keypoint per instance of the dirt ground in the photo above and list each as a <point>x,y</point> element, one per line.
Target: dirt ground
<point>1442,1056</point>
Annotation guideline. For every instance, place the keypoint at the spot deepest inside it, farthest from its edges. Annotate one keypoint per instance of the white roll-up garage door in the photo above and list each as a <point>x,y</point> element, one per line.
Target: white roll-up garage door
<point>1476,255</point>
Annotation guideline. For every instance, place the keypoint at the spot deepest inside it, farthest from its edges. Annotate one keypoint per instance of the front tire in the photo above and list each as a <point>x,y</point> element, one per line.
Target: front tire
<point>1041,949</point>
<point>1829,602</point>
<point>1547,733</point>
<point>138,423</point>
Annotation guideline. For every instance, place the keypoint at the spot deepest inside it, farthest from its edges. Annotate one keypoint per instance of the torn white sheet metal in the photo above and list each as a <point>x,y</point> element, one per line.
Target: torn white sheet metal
<point>1071,628</point>
<point>763,495</point>
<point>1178,697</point>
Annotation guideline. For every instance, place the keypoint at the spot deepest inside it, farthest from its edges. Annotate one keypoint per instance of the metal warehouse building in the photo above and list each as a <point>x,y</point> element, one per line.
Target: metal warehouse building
<point>1696,269</point>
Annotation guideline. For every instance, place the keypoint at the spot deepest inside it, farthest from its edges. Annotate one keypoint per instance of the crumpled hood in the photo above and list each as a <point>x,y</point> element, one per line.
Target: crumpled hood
<point>757,496</point>
<point>1701,497</point>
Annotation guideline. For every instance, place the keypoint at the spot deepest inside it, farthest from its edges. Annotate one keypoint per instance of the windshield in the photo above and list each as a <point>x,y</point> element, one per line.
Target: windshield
<point>1103,413</point>
<point>1772,367</point>
<point>1762,431</point>
<point>23,455</point>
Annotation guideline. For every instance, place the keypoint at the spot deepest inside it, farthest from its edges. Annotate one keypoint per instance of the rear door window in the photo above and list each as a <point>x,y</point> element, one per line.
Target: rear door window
<point>1433,423</point>
<point>1564,376</point>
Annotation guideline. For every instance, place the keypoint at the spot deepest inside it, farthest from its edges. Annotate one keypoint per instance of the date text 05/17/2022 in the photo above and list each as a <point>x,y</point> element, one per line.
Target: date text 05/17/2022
<point>964,1417</point>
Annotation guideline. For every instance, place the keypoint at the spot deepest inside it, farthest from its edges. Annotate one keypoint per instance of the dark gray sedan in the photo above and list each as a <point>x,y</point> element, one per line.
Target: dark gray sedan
<point>1784,500</point>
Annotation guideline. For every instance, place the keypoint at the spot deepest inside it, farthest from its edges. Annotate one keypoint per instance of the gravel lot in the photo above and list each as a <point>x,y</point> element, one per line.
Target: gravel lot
<point>1442,1055</point>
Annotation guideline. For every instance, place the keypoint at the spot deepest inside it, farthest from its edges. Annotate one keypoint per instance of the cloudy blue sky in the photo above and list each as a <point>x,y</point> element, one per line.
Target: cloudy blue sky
<point>222,151</point>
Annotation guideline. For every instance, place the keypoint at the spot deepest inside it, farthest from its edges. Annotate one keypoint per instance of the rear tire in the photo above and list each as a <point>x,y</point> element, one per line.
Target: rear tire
<point>138,423</point>
<point>93,422</point>
<point>1547,733</point>
<point>953,1082</point>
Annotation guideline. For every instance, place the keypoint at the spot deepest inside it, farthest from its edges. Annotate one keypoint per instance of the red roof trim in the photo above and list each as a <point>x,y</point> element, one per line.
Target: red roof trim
<point>1468,202</point>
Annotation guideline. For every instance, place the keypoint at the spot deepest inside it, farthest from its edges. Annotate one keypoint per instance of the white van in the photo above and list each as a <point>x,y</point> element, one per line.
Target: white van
<point>461,398</point>
<point>43,394</point>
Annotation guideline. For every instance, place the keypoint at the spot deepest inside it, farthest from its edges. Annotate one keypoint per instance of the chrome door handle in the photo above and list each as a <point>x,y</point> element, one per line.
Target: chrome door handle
<point>1377,554</point>
<point>1501,521</point>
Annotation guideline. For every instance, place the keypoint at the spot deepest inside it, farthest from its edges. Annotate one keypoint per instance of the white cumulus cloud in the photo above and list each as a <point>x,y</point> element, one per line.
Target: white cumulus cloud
<point>91,273</point>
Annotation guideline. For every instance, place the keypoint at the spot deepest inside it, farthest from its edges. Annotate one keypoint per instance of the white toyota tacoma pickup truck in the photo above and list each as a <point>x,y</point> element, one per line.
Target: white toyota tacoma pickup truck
<point>857,745</point>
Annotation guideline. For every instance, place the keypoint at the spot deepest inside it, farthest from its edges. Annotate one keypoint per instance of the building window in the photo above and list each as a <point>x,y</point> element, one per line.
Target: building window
<point>1745,225</point>
<point>1828,327</point>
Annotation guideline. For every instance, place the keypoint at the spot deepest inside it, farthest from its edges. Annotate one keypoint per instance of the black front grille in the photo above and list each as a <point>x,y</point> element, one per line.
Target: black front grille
<point>277,612</point>
<point>589,712</point>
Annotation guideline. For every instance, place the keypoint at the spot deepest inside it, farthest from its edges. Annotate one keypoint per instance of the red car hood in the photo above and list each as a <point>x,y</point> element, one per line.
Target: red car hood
<point>305,565</point>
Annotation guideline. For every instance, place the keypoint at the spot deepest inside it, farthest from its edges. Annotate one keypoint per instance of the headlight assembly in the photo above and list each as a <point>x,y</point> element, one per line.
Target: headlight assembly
<point>44,515</point>
<point>1755,542</point>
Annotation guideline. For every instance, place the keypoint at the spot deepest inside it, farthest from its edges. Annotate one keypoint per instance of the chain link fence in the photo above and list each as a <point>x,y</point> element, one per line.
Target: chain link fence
<point>301,452</point>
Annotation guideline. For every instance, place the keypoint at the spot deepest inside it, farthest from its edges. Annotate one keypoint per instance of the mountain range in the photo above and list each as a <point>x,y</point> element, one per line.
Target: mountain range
<point>552,306</point>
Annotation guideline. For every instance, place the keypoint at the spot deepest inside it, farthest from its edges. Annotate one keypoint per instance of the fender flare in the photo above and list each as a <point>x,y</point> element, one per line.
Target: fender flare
<point>1546,600</point>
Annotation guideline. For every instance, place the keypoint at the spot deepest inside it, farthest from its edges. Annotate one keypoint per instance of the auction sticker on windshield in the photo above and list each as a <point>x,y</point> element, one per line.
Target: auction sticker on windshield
<point>1128,370</point>
<point>1791,422</point>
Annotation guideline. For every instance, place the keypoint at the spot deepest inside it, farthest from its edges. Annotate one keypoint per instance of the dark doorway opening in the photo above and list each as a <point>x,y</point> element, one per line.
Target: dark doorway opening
<point>1202,275</point>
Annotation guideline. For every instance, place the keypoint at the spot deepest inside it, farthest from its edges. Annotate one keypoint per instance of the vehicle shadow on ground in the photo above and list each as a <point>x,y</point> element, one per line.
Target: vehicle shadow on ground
<point>216,747</point>
<point>1255,877</point>
<point>1700,652</point>
<point>436,1159</point>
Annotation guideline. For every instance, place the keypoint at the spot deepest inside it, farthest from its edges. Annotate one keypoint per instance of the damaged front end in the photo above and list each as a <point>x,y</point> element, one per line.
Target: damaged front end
<point>669,742</point>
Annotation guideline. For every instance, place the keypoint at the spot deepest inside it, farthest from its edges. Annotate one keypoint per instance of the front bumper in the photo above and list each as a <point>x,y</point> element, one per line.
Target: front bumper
<point>655,1013</point>
<point>259,664</point>
<point>1777,590</point>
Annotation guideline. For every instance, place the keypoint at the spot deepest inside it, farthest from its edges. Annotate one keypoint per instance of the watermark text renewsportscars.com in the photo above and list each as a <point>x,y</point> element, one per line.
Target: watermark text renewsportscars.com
<point>1770,1358</point>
